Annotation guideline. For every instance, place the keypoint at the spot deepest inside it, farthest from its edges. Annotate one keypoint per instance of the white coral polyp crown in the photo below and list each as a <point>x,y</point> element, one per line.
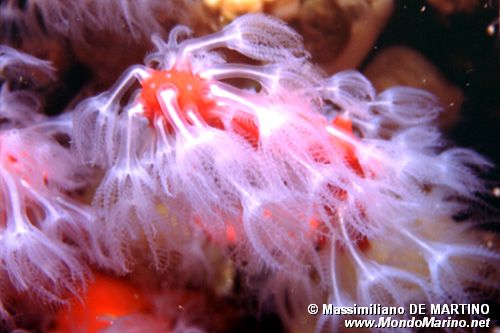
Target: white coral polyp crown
<point>44,232</point>
<point>38,218</point>
<point>251,156</point>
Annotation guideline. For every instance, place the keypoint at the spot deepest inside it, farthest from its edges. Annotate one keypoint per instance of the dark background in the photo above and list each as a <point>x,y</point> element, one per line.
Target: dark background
<point>469,57</point>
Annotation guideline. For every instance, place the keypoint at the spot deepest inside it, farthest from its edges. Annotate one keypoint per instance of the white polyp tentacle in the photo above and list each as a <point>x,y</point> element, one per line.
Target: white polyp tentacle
<point>128,18</point>
<point>171,110</point>
<point>43,201</point>
<point>56,124</point>
<point>256,242</point>
<point>120,88</point>
<point>317,176</point>
<point>131,113</point>
<point>464,250</point>
<point>221,93</point>
<point>350,79</point>
<point>438,259</point>
<point>313,171</point>
<point>160,129</point>
<point>343,136</point>
<point>218,39</point>
<point>17,220</point>
<point>10,56</point>
<point>109,135</point>
<point>162,153</point>
<point>354,253</point>
<point>74,207</point>
<point>334,274</point>
<point>166,54</point>
<point>365,150</point>
<point>461,250</point>
<point>335,293</point>
<point>253,72</point>
<point>421,244</point>
<point>194,118</point>
<point>268,118</point>
<point>174,34</point>
<point>251,202</point>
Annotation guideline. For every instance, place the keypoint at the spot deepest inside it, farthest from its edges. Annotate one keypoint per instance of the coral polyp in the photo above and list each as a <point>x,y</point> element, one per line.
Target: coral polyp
<point>295,177</point>
<point>40,223</point>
